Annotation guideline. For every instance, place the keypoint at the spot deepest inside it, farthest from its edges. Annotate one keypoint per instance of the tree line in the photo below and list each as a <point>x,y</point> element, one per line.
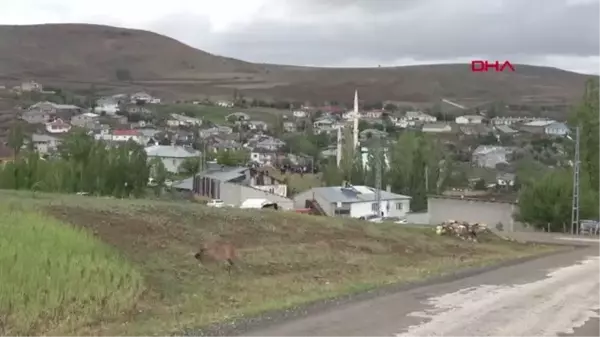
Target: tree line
<point>413,164</point>
<point>546,199</point>
<point>82,164</point>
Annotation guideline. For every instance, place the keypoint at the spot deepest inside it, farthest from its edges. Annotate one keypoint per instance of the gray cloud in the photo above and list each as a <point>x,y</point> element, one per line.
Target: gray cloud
<point>388,30</point>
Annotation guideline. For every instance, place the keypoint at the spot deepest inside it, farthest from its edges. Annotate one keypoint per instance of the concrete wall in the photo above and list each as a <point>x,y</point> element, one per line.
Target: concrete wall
<point>235,194</point>
<point>421,218</point>
<point>300,201</point>
<point>491,213</point>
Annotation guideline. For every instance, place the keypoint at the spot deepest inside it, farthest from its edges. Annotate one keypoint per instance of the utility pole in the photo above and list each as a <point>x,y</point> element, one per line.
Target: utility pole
<point>378,169</point>
<point>575,205</point>
<point>426,179</point>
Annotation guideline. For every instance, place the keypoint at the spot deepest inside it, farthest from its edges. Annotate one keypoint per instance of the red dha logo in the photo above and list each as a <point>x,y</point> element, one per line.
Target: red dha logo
<point>484,66</point>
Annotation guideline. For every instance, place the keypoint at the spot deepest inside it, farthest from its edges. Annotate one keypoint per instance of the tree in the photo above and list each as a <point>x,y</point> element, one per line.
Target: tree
<point>190,166</point>
<point>548,201</point>
<point>16,139</point>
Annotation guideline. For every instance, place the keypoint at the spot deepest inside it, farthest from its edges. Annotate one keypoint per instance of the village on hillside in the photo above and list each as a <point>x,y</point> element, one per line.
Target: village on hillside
<point>229,152</point>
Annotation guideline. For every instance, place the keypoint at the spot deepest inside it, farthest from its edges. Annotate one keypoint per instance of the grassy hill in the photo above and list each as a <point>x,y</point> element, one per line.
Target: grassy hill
<point>94,54</point>
<point>84,265</point>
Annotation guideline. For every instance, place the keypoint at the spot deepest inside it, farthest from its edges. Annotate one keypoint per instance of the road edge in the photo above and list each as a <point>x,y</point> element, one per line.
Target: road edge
<point>245,324</point>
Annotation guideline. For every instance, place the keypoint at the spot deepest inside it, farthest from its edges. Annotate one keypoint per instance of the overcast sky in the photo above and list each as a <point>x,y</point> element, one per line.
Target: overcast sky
<point>559,33</point>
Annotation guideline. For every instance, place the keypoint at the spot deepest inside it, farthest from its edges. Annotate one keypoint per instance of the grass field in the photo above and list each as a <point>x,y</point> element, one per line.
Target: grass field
<point>55,278</point>
<point>217,114</point>
<point>285,260</point>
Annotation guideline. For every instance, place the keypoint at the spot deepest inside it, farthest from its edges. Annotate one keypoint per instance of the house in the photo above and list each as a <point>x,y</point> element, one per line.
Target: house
<point>289,127</point>
<point>238,116</point>
<point>412,118</point>
<point>225,104</point>
<point>536,126</point>
<point>58,126</point>
<point>234,185</point>
<point>263,157</point>
<point>373,114</point>
<point>490,156</point>
<point>107,105</point>
<point>205,133</point>
<point>557,129</point>
<point>122,135</point>
<point>258,125</point>
<point>300,114</point>
<point>30,86</point>
<point>505,179</point>
<point>45,144</point>
<point>181,120</point>
<point>475,130</point>
<point>85,120</point>
<point>469,119</point>
<point>271,144</point>
<point>324,124</point>
<point>171,156</point>
<point>354,201</point>
<point>43,112</point>
<point>436,127</point>
<point>510,120</point>
<point>505,129</point>
<point>137,109</point>
<point>144,97</point>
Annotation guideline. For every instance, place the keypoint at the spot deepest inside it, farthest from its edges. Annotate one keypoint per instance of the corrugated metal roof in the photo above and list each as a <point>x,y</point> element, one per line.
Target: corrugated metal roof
<point>170,151</point>
<point>354,194</point>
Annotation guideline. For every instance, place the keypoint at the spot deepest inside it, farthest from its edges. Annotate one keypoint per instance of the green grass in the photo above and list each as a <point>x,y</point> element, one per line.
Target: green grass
<point>57,278</point>
<point>286,259</point>
<point>217,114</point>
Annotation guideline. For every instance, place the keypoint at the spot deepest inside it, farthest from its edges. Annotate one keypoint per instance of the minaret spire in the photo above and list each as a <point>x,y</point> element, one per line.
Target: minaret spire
<point>356,117</point>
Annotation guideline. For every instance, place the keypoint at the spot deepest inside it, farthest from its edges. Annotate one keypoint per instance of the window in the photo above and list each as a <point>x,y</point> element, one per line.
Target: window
<point>399,206</point>
<point>374,207</point>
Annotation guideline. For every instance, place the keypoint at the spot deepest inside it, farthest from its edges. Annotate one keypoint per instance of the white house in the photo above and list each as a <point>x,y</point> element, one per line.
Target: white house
<point>300,114</point>
<point>436,127</point>
<point>557,129</point>
<point>44,143</point>
<point>469,119</point>
<point>58,126</point>
<point>225,104</point>
<point>144,97</point>
<point>122,136</point>
<point>107,105</point>
<point>171,156</point>
<point>354,201</point>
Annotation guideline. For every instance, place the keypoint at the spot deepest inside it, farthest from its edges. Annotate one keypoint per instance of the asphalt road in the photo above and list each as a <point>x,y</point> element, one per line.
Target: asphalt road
<point>551,296</point>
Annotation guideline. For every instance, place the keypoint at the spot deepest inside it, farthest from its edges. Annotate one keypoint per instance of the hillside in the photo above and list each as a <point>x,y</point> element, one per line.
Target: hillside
<point>127,267</point>
<point>79,54</point>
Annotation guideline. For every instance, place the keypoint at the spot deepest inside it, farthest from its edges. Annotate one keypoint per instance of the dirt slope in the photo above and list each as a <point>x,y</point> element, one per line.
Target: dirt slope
<point>80,54</point>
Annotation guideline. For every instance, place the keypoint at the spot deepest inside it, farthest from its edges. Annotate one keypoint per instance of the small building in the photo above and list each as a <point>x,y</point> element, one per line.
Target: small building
<point>469,119</point>
<point>85,120</point>
<point>171,156</point>
<point>436,127</point>
<point>45,144</point>
<point>58,126</point>
<point>557,129</point>
<point>354,201</point>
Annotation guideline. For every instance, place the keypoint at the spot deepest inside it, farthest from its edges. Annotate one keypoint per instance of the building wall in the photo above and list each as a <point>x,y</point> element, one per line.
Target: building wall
<point>235,194</point>
<point>491,213</point>
<point>300,201</point>
<point>359,209</point>
<point>171,164</point>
